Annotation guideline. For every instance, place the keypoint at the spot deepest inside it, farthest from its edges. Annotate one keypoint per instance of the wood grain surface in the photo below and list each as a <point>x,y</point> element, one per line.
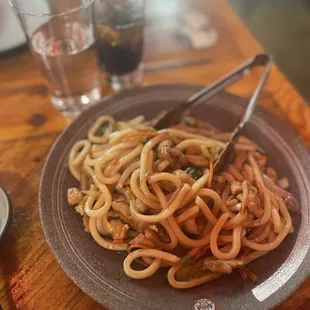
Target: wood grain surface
<point>30,277</point>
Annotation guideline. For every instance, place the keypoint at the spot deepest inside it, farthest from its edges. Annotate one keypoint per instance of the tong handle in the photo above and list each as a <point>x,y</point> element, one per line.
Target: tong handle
<point>219,164</point>
<point>174,115</point>
<point>228,79</point>
<point>252,103</point>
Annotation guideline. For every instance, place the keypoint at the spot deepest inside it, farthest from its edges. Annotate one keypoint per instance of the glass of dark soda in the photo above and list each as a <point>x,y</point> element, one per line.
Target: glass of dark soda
<point>120,29</point>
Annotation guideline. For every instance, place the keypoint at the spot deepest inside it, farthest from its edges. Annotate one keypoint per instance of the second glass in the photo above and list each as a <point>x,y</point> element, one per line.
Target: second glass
<point>120,27</point>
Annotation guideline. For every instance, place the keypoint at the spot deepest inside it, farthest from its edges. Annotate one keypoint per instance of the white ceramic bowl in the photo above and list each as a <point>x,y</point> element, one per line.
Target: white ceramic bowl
<point>11,32</point>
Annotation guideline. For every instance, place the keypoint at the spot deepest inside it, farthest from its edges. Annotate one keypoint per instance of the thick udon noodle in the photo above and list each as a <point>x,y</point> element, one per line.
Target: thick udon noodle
<point>153,194</point>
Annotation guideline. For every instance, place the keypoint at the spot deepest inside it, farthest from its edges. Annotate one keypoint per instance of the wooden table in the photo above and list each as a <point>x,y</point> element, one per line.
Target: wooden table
<point>30,277</point>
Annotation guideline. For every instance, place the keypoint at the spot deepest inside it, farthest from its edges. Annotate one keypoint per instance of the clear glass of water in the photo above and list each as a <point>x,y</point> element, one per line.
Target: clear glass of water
<point>62,37</point>
<point>120,27</point>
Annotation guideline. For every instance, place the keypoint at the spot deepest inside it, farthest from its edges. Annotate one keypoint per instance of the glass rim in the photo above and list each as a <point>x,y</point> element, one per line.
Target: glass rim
<point>70,11</point>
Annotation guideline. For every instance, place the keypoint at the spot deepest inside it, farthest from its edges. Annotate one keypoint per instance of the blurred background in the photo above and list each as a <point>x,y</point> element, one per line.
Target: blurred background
<point>283,28</point>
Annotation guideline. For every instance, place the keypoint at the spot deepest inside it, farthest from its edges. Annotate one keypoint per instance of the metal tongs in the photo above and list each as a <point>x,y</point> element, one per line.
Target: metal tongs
<point>174,115</point>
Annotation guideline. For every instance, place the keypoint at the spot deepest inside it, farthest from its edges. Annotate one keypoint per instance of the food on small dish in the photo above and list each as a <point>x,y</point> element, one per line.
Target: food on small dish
<point>154,195</point>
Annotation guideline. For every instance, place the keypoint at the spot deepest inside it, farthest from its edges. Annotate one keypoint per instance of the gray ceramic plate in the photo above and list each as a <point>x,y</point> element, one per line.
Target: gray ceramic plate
<point>99,272</point>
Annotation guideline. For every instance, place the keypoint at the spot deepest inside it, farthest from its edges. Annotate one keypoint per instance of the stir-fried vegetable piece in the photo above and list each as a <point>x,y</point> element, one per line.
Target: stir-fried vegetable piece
<point>194,172</point>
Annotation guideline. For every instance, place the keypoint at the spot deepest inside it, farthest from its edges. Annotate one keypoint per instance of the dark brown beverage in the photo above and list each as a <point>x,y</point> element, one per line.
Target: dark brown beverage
<point>120,47</point>
<point>120,29</point>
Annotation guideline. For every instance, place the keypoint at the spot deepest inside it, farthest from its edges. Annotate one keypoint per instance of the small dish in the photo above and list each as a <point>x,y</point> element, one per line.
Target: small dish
<point>5,211</point>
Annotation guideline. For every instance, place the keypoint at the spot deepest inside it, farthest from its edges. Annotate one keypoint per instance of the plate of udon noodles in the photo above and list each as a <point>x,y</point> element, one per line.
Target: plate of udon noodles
<point>140,220</point>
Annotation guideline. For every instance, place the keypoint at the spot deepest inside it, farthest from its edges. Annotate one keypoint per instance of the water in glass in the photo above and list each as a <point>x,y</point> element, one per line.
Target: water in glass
<point>67,56</point>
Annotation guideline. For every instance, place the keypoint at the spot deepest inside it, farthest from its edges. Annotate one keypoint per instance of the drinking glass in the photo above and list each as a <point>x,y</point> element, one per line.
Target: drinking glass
<point>120,27</point>
<point>62,38</point>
